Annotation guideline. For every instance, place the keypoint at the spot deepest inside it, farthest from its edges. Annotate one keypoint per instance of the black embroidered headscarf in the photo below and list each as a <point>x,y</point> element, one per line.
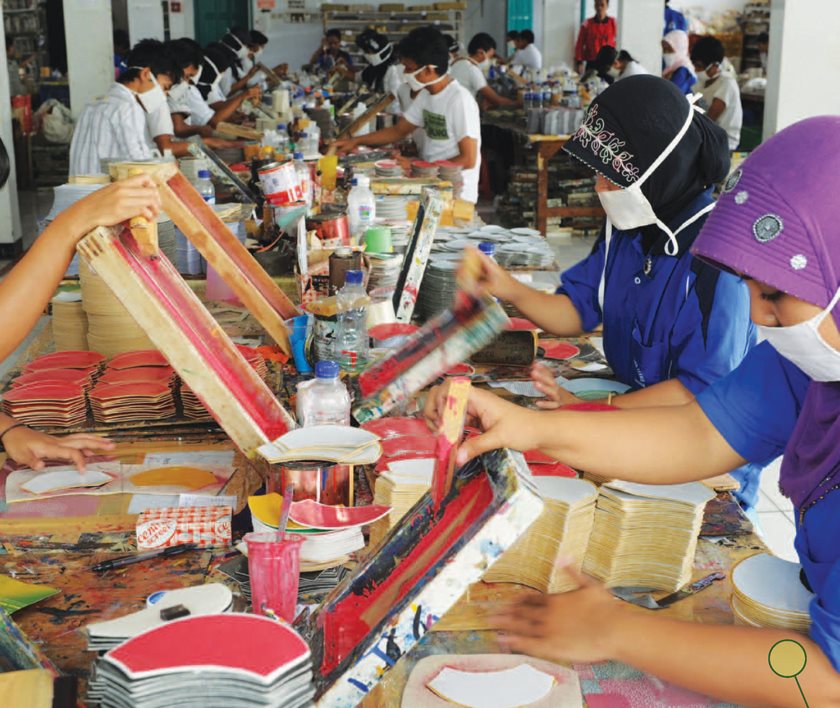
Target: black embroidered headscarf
<point>630,124</point>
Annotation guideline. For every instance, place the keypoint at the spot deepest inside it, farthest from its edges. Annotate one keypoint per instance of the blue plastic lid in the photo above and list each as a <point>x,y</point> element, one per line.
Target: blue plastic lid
<point>298,156</point>
<point>353,277</point>
<point>204,174</point>
<point>487,248</point>
<point>326,370</point>
<point>281,126</point>
<point>304,135</point>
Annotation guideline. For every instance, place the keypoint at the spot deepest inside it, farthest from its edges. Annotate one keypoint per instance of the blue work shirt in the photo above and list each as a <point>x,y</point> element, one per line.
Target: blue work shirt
<point>684,80</point>
<point>674,20</point>
<point>682,319</point>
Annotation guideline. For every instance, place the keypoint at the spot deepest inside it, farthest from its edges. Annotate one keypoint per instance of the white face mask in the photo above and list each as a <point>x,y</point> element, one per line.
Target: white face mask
<point>511,47</point>
<point>703,76</point>
<point>629,209</point>
<point>803,345</point>
<point>484,65</point>
<point>197,77</point>
<point>258,54</point>
<point>670,59</point>
<point>615,73</point>
<point>152,99</point>
<point>411,80</point>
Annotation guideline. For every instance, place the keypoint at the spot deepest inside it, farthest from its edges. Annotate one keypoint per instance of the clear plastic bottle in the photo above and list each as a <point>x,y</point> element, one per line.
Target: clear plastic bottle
<point>314,140</point>
<point>304,177</point>
<point>351,336</point>
<point>282,144</point>
<point>205,187</point>
<point>361,207</point>
<point>323,400</point>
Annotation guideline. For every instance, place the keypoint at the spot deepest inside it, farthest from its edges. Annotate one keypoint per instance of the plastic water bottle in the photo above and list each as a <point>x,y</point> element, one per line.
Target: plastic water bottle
<point>205,187</point>
<point>488,249</point>
<point>351,336</point>
<point>323,400</point>
<point>546,96</point>
<point>314,140</point>
<point>361,207</point>
<point>282,138</point>
<point>304,177</point>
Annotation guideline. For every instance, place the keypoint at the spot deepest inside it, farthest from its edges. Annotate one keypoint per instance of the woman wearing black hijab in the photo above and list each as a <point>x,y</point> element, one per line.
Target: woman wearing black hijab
<point>26,291</point>
<point>672,325</point>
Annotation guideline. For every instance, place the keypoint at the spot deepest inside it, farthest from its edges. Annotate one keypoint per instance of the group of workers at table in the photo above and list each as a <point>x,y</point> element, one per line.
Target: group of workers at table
<point>683,286</point>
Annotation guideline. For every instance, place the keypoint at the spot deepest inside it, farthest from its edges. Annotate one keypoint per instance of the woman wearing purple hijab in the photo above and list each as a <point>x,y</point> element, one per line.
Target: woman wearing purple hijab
<point>775,227</point>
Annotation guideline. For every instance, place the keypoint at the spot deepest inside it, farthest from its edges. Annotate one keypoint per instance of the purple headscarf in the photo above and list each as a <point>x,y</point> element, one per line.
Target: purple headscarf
<point>777,222</point>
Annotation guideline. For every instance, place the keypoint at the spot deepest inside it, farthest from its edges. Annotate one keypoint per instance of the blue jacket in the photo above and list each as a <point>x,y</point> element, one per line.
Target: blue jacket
<point>674,20</point>
<point>684,80</point>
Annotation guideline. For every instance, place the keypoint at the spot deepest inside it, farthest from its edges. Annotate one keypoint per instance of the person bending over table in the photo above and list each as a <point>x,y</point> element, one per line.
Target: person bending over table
<point>470,71</point>
<point>774,227</point>
<point>445,110</point>
<point>672,324</point>
<point>26,291</point>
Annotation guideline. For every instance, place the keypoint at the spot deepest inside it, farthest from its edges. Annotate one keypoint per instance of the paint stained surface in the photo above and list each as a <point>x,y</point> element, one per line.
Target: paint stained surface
<point>178,476</point>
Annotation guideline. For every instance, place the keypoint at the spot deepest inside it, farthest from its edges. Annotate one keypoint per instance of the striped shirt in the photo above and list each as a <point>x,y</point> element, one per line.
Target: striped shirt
<point>113,126</point>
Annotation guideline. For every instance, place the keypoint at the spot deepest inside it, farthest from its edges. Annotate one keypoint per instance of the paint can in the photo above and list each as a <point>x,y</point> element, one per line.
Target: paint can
<point>325,483</point>
<point>342,260</point>
<point>280,183</point>
<point>331,228</point>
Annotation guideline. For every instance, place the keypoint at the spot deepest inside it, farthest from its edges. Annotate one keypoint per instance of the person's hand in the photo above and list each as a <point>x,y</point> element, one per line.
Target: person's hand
<point>113,204</point>
<point>494,280</point>
<point>342,147</point>
<point>206,131</point>
<point>221,143</point>
<point>404,162</point>
<point>555,395</point>
<point>576,626</point>
<point>30,447</point>
<point>504,424</point>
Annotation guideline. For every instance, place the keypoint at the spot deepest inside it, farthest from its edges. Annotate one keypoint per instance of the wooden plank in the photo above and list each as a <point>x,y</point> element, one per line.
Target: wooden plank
<point>366,117</point>
<point>239,131</point>
<point>456,396</point>
<point>223,251</point>
<point>193,342</point>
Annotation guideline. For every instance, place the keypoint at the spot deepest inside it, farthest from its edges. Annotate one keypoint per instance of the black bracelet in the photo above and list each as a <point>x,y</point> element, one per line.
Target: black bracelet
<point>10,428</point>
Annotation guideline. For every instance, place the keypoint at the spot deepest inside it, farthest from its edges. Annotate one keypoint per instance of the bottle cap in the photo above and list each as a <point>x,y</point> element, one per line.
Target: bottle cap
<point>487,248</point>
<point>326,369</point>
<point>204,174</point>
<point>353,277</point>
<point>281,126</point>
<point>298,156</point>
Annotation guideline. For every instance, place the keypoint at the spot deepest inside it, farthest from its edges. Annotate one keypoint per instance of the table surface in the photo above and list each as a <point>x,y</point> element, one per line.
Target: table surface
<point>60,552</point>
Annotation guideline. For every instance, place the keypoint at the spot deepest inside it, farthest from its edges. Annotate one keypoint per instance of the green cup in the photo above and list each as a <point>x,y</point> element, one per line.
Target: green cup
<point>378,240</point>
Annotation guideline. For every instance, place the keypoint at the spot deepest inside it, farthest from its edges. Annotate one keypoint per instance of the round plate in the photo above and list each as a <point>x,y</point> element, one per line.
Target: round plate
<point>559,350</point>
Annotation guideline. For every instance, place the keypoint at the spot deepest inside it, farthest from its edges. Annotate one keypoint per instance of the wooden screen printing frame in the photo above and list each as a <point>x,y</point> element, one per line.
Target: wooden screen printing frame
<point>417,254</point>
<point>423,566</point>
<point>228,257</point>
<point>194,343</point>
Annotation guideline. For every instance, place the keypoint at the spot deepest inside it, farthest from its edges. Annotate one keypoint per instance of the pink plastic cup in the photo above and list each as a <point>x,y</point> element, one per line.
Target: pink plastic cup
<point>274,567</point>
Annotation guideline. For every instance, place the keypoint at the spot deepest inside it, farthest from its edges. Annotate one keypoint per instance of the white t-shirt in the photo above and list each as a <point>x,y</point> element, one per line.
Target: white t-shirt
<point>200,112</point>
<point>226,82</point>
<point>160,121</point>
<point>725,87</point>
<point>215,95</point>
<point>529,57</point>
<point>633,68</point>
<point>391,82</point>
<point>405,100</point>
<point>468,75</point>
<point>447,118</point>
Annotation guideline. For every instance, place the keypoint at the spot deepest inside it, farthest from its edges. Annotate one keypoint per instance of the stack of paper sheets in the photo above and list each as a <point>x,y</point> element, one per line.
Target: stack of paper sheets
<point>208,599</point>
<point>69,322</point>
<point>767,592</point>
<point>562,530</point>
<point>645,535</point>
<point>400,487</point>
<point>132,402</point>
<point>111,329</point>
<point>227,660</point>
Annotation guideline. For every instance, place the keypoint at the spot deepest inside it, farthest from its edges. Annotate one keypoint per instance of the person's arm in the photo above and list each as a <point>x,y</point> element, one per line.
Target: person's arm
<point>489,95</point>
<point>185,130</point>
<point>222,112</point>
<point>668,445</point>
<point>386,136</point>
<point>727,662</point>
<point>467,153</point>
<point>242,84</point>
<point>716,109</point>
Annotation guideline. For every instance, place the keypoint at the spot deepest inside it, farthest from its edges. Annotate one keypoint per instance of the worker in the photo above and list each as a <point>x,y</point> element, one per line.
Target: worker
<point>527,55</point>
<point>216,61</point>
<point>601,66</point>
<point>672,325</point>
<point>678,66</point>
<point>626,66</point>
<point>331,57</point>
<point>719,87</point>
<point>25,293</point>
<point>775,228</point>
<point>445,110</point>
<point>384,71</point>
<point>598,31</point>
<point>234,78</point>
<point>674,19</point>
<point>116,125</point>
<point>470,71</point>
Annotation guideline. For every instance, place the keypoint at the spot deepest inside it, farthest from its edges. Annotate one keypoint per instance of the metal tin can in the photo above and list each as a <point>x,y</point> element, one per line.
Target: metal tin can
<point>280,183</point>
